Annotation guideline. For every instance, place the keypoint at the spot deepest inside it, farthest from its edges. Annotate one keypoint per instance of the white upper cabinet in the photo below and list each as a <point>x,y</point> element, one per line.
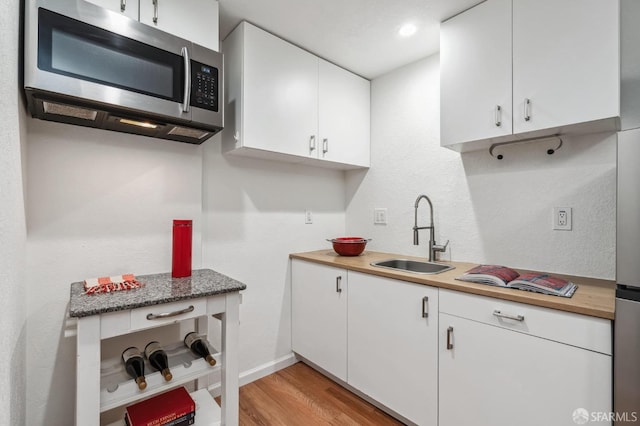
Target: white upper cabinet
<point>284,103</point>
<point>344,123</point>
<point>565,62</point>
<point>280,95</point>
<point>475,61</point>
<point>552,67</point>
<point>128,8</point>
<point>194,20</point>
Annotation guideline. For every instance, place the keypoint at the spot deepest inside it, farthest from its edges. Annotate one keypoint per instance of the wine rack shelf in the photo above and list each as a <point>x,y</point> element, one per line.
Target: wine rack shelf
<point>118,388</point>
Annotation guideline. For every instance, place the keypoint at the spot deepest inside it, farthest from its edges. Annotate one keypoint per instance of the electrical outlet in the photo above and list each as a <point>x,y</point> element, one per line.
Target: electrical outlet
<point>379,216</point>
<point>562,218</point>
<point>308,217</point>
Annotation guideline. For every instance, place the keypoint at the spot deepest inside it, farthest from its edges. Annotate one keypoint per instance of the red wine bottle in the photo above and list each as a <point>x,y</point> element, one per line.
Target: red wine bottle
<point>198,345</point>
<point>158,359</point>
<point>134,364</point>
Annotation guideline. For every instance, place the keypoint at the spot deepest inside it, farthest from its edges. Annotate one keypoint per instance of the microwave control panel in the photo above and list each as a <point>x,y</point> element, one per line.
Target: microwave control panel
<point>204,86</point>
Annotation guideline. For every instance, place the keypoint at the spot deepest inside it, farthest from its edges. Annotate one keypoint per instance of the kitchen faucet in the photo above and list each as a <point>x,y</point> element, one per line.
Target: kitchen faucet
<point>433,247</point>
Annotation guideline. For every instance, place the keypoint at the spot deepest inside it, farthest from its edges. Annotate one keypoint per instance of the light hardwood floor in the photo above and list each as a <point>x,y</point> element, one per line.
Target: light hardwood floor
<point>299,395</point>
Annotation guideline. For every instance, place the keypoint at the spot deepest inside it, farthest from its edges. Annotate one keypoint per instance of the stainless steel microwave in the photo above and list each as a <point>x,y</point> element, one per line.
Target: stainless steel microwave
<point>89,66</point>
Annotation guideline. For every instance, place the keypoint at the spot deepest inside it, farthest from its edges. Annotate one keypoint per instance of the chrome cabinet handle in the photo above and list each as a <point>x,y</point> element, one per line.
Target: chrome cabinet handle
<point>507,316</point>
<point>338,282</point>
<point>325,145</point>
<point>170,314</point>
<point>187,79</point>
<point>155,11</point>
<point>312,143</point>
<point>449,338</point>
<point>425,307</point>
<point>527,109</point>
<point>498,116</point>
<point>123,5</point>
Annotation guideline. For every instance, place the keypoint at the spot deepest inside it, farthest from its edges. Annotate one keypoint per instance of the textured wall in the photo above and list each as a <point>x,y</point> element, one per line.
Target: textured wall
<point>99,203</point>
<point>253,214</point>
<point>102,203</point>
<point>12,224</point>
<point>492,211</point>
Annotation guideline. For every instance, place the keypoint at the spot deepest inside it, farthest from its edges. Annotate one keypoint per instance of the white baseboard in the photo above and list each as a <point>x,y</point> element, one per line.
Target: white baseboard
<point>258,372</point>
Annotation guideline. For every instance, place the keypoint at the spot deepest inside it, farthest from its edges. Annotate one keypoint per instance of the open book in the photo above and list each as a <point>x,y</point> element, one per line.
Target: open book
<point>502,276</point>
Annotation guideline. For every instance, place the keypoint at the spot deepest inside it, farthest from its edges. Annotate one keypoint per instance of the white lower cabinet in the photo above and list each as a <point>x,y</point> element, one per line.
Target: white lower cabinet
<point>495,372</point>
<point>392,345</point>
<point>448,358</point>
<point>319,315</point>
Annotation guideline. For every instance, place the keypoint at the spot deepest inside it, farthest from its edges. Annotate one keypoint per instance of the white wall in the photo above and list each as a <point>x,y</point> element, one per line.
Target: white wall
<point>254,217</point>
<point>99,203</point>
<point>492,211</point>
<point>12,223</point>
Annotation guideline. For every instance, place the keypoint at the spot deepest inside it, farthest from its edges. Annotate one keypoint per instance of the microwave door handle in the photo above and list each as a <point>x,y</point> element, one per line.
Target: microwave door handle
<point>187,80</point>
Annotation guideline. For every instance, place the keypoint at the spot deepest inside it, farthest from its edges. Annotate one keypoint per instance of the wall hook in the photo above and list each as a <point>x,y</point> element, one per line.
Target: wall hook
<point>550,151</point>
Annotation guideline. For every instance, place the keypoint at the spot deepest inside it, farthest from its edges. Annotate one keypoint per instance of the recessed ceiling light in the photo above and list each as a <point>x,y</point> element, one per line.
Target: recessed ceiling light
<point>407,30</point>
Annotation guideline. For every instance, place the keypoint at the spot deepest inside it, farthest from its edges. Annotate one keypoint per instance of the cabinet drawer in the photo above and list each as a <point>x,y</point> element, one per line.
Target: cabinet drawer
<point>564,327</point>
<point>153,316</point>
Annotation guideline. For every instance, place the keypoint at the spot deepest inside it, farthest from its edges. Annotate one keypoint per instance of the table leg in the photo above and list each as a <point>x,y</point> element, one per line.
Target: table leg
<point>88,371</point>
<point>230,370</point>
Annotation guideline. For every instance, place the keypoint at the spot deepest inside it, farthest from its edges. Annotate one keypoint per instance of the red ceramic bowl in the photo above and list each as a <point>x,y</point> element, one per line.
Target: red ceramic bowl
<point>349,246</point>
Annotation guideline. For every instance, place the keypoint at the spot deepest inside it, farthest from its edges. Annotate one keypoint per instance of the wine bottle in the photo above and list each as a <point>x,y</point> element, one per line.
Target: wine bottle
<point>134,364</point>
<point>198,345</point>
<point>158,359</point>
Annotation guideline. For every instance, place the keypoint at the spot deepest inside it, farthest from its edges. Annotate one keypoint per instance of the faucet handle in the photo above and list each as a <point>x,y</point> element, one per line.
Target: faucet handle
<point>440,248</point>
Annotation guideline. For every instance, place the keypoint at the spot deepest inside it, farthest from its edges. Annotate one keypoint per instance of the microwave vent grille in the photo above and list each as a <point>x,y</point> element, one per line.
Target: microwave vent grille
<point>69,111</point>
<point>189,133</point>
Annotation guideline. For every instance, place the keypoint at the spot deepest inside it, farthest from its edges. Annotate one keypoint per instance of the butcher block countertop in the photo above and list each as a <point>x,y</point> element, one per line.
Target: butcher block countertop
<point>594,297</point>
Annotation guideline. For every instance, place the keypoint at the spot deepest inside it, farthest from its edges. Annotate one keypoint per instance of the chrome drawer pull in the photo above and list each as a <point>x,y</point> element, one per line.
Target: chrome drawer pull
<point>425,307</point>
<point>449,338</point>
<point>170,314</point>
<point>498,116</point>
<point>511,317</point>
<point>155,11</point>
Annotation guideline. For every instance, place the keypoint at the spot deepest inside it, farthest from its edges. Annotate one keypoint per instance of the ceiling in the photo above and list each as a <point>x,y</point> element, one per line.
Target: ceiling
<point>359,35</point>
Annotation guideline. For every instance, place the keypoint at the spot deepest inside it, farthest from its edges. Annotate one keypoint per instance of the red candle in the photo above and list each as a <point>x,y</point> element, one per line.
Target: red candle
<point>181,263</point>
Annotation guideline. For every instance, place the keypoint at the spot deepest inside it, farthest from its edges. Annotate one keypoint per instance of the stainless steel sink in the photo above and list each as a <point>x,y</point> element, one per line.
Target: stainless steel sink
<point>414,266</point>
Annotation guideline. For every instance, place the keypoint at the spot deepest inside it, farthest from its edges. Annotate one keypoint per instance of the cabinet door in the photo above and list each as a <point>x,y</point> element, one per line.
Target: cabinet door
<point>193,20</point>
<point>280,95</point>
<point>128,8</point>
<point>393,348</point>
<point>497,377</point>
<point>475,74</point>
<point>565,62</point>
<point>344,103</point>
<point>319,315</point>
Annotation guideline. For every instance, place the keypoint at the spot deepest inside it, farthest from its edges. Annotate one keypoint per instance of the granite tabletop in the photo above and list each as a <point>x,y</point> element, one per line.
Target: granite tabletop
<point>157,289</point>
